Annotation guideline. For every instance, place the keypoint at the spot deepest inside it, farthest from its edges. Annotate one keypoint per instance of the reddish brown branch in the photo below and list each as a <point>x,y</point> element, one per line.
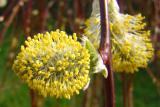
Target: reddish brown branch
<point>60,14</point>
<point>153,77</point>
<point>87,98</point>
<point>105,51</point>
<point>7,10</point>
<point>156,38</point>
<point>27,11</point>
<point>43,15</point>
<point>130,91</point>
<point>124,87</point>
<point>79,9</point>
<point>79,15</point>
<point>70,18</point>
<point>33,98</point>
<point>10,19</point>
<point>157,12</point>
<point>127,81</point>
<point>95,91</point>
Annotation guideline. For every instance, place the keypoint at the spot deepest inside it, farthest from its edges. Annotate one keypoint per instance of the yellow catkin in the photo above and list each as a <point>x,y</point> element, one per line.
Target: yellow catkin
<point>131,44</point>
<point>49,64</point>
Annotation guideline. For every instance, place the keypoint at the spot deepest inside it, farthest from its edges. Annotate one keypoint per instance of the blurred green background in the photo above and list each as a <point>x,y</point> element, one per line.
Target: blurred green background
<point>21,18</point>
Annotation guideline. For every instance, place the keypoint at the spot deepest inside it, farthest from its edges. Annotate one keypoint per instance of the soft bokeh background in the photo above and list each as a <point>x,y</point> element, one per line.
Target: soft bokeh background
<point>22,18</point>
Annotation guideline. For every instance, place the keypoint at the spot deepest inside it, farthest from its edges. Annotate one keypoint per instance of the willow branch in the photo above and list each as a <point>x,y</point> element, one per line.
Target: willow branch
<point>42,15</point>
<point>79,9</point>
<point>153,77</point>
<point>157,29</point>
<point>130,91</point>
<point>127,83</point>
<point>27,18</point>
<point>7,10</point>
<point>79,15</point>
<point>60,18</point>
<point>105,51</point>
<point>10,19</point>
<point>157,11</point>
<point>33,98</point>
<point>124,88</point>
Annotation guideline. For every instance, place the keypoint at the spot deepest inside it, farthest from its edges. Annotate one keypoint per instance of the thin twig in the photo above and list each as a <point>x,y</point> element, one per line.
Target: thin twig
<point>124,87</point>
<point>79,15</point>
<point>50,4</point>
<point>105,51</point>
<point>10,19</point>
<point>157,13</point>
<point>87,98</point>
<point>6,12</point>
<point>153,77</point>
<point>156,41</point>
<point>33,98</point>
<point>157,29</point>
<point>79,9</point>
<point>60,14</point>
<point>43,15</point>
<point>127,81</point>
<point>27,18</point>
<point>95,91</point>
<point>130,91</point>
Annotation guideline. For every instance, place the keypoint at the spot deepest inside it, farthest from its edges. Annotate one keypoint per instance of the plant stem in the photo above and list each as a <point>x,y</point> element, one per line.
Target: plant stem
<point>79,15</point>
<point>33,98</point>
<point>154,78</point>
<point>10,19</point>
<point>130,91</point>
<point>87,98</point>
<point>124,87</point>
<point>27,11</point>
<point>95,91</point>
<point>42,15</point>
<point>127,80</point>
<point>156,37</point>
<point>105,51</point>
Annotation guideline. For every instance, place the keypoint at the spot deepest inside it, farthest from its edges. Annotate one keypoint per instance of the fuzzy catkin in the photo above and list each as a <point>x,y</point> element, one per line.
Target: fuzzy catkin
<point>131,45</point>
<point>53,64</point>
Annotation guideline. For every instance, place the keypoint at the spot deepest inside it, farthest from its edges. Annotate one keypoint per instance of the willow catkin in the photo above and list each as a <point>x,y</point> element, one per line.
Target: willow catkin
<point>53,64</point>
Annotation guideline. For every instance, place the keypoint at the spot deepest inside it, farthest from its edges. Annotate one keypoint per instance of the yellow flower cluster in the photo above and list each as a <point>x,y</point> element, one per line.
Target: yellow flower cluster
<point>132,48</point>
<point>131,45</point>
<point>53,64</point>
